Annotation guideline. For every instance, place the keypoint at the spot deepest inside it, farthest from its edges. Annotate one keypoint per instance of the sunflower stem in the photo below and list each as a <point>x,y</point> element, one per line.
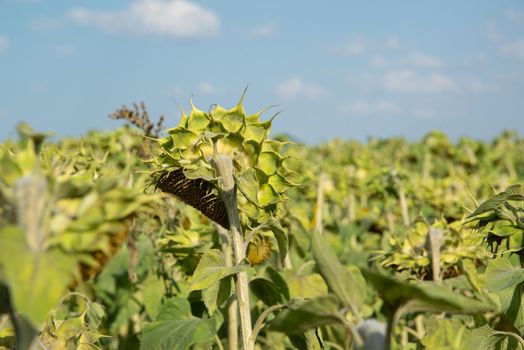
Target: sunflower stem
<point>224,166</point>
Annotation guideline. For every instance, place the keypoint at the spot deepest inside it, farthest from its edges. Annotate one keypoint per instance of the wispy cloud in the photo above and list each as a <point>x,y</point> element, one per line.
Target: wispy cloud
<point>404,80</point>
<point>514,49</point>
<point>264,31</point>
<point>4,43</point>
<point>409,81</point>
<point>415,59</point>
<point>173,18</point>
<point>370,107</point>
<point>208,88</point>
<point>359,45</point>
<point>297,88</point>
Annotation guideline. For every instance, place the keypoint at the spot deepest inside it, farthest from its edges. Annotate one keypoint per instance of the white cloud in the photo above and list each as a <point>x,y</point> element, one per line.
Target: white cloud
<point>64,50</point>
<point>172,18</point>
<point>207,88</point>
<point>359,45</point>
<point>371,107</point>
<point>297,88</point>
<point>514,49</point>
<point>415,59</point>
<point>4,42</point>
<point>264,31</point>
<point>408,81</point>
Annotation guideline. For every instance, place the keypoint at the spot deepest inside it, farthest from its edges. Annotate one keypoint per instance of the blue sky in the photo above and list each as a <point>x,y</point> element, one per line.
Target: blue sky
<point>348,69</point>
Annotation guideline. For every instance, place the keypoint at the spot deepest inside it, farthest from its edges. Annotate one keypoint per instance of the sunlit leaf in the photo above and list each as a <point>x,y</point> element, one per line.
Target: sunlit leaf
<point>211,269</point>
<point>501,274</point>
<point>175,328</point>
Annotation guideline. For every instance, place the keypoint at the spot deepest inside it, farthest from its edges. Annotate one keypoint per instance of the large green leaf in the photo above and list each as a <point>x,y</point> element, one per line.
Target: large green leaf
<point>211,269</point>
<point>512,193</point>
<point>176,329</point>
<point>308,286</point>
<point>266,291</point>
<point>486,338</point>
<point>422,297</point>
<point>217,294</point>
<point>37,279</point>
<point>307,314</point>
<point>501,274</point>
<point>348,289</point>
<point>279,281</point>
<point>153,291</point>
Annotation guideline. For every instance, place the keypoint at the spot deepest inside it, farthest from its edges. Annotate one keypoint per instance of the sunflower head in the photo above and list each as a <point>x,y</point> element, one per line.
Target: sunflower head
<point>258,250</point>
<point>262,174</point>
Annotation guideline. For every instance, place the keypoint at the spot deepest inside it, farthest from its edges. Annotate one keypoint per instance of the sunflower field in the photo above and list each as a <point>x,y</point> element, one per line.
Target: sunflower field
<point>216,234</point>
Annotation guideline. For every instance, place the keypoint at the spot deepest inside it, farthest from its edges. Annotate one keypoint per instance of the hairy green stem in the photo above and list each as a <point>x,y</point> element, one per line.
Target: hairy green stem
<point>224,165</point>
<point>232,309</point>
